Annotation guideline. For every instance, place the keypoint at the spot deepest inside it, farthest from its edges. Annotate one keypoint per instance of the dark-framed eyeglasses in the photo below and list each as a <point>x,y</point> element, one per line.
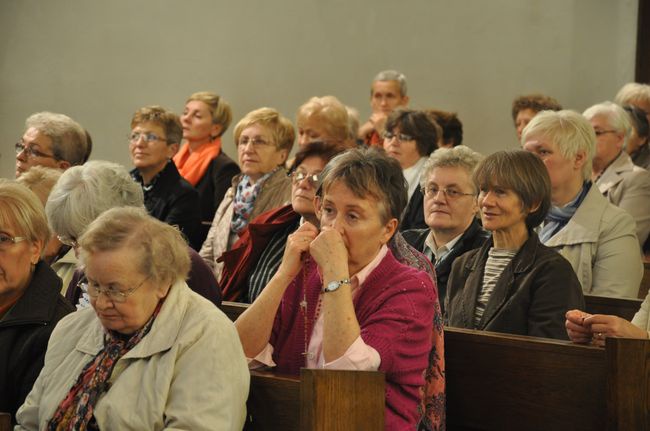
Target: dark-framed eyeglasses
<point>401,137</point>
<point>114,294</point>
<point>148,137</point>
<point>7,241</point>
<point>30,152</point>
<point>449,192</point>
<point>313,179</point>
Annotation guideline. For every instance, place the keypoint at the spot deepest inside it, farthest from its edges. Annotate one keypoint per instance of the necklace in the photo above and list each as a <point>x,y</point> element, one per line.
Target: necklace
<point>304,310</point>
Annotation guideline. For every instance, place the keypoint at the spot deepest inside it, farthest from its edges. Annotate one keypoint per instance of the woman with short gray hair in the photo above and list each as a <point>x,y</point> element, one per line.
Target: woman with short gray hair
<point>83,193</point>
<point>598,238</point>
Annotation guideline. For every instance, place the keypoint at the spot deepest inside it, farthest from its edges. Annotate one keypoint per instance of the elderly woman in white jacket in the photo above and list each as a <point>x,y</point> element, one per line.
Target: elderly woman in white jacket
<point>597,238</point>
<point>150,353</point>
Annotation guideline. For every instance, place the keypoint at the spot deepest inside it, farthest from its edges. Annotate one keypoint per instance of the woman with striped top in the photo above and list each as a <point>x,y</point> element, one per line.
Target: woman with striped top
<point>513,283</point>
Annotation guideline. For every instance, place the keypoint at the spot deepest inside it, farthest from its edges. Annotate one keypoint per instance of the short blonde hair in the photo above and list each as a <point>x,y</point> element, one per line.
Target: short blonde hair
<point>281,128</point>
<point>633,92</point>
<point>330,113</point>
<point>40,180</point>
<point>164,255</point>
<point>569,131</point>
<point>21,209</point>
<point>162,117</point>
<point>219,108</point>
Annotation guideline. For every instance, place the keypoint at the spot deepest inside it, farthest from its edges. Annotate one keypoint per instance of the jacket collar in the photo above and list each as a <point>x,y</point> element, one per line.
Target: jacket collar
<point>39,301</point>
<point>615,172</point>
<point>521,263</point>
<point>161,337</point>
<point>583,225</point>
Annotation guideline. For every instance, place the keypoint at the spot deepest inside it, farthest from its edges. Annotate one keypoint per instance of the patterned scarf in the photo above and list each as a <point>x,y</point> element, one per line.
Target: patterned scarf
<point>244,200</point>
<point>76,410</point>
<point>558,217</point>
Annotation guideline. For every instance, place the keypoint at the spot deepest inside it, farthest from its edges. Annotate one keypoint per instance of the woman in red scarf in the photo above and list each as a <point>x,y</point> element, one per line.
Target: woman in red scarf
<point>201,161</point>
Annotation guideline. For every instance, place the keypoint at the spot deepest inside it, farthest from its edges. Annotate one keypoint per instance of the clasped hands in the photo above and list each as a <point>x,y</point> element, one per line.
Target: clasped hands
<point>595,328</point>
<point>326,247</point>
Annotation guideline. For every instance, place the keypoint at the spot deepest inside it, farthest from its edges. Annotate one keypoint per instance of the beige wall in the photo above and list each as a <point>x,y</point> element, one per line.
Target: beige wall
<point>98,61</point>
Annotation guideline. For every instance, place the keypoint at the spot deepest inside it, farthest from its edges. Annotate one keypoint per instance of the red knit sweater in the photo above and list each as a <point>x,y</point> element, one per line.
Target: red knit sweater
<point>394,307</point>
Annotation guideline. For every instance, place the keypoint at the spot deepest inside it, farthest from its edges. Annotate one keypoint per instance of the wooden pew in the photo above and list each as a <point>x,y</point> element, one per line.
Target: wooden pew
<point>318,400</point>
<point>233,309</point>
<point>5,421</point>
<point>625,308</point>
<point>499,381</point>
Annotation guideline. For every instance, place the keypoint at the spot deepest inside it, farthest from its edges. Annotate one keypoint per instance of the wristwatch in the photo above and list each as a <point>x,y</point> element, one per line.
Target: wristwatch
<point>334,285</point>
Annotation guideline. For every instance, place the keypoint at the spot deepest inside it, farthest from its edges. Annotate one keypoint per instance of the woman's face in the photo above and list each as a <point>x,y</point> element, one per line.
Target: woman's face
<point>16,261</point>
<point>258,153</point>
<point>501,208</point>
<point>150,156</point>
<point>523,118</point>
<point>311,130</point>
<point>304,190</point>
<point>359,222</point>
<point>118,269</point>
<point>454,213</point>
<point>561,170</point>
<point>197,122</point>
<point>402,148</point>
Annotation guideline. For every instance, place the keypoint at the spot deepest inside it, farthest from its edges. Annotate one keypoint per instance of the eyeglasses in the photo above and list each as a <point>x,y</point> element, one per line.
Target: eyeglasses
<point>148,137</point>
<point>30,152</point>
<point>432,191</point>
<point>604,132</point>
<point>256,142</point>
<point>68,240</point>
<point>7,241</point>
<point>116,295</point>
<point>401,137</point>
<point>298,176</point>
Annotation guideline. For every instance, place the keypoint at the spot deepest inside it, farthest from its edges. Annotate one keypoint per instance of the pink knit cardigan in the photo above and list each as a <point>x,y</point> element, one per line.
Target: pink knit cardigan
<point>395,309</point>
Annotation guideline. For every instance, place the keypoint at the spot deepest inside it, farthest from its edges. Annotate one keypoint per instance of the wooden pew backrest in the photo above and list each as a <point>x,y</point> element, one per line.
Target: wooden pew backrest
<point>319,400</point>
<point>625,308</point>
<point>500,381</point>
<point>5,421</point>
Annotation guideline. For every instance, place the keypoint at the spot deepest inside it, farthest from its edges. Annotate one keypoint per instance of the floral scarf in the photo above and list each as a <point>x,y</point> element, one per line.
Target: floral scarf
<point>76,410</point>
<point>244,200</point>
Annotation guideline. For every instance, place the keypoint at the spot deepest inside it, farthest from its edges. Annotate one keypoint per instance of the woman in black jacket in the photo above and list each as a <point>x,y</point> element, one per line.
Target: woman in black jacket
<point>513,283</point>
<point>30,299</point>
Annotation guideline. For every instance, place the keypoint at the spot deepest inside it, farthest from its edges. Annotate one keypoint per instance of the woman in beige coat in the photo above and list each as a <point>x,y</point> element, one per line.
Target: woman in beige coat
<point>150,353</point>
<point>264,139</point>
<point>597,238</point>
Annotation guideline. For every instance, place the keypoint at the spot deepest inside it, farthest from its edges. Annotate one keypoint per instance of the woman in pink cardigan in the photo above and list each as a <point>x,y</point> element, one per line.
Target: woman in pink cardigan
<point>340,300</point>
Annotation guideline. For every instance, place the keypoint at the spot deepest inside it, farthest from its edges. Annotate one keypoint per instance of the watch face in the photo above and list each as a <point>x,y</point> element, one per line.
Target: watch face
<point>332,286</point>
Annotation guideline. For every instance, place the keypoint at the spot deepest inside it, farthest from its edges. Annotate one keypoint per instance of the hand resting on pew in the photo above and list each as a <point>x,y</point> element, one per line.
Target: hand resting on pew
<point>595,328</point>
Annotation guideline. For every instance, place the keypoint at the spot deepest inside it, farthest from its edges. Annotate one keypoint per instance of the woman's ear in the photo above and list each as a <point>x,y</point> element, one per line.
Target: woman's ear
<point>318,204</point>
<point>35,250</point>
<point>389,230</point>
<point>216,130</point>
<point>579,160</point>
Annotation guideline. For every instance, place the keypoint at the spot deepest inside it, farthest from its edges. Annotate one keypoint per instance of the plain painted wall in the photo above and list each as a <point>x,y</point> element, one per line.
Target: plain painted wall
<point>98,61</point>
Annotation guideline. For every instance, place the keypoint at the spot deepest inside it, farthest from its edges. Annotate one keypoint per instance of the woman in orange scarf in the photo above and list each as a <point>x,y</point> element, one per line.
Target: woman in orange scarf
<point>200,161</point>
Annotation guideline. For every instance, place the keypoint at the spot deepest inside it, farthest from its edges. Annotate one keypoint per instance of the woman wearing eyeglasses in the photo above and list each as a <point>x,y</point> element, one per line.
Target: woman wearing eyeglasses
<point>450,209</point>
<point>256,256</point>
<point>410,137</point>
<point>150,354</point>
<point>155,136</point>
<point>513,283</point>
<point>30,299</point>
<point>264,139</point>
